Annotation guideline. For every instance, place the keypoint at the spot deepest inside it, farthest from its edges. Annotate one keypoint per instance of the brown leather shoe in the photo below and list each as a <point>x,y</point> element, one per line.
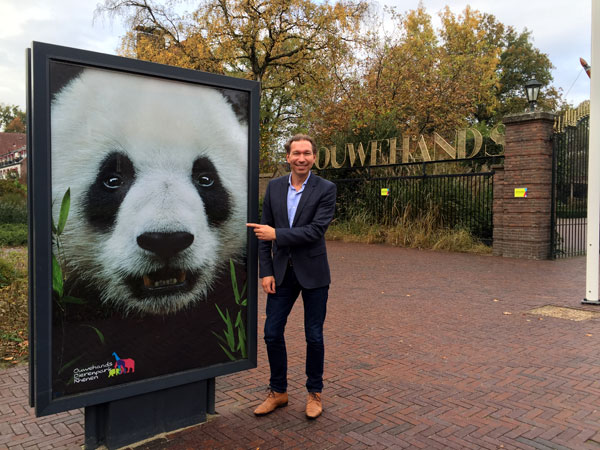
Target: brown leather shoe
<point>274,400</point>
<point>314,407</point>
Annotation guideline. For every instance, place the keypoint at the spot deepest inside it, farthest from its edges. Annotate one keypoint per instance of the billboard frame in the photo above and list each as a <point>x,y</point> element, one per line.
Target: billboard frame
<point>39,59</point>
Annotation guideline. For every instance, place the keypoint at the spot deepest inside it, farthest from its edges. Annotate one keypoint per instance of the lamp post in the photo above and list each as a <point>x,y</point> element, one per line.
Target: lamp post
<point>532,90</point>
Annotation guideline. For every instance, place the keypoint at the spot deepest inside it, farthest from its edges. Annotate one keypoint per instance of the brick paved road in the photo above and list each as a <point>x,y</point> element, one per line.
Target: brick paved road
<point>419,355</point>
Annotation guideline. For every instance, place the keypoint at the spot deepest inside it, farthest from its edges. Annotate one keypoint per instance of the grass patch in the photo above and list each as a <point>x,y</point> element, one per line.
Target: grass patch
<point>14,321</point>
<point>13,234</point>
<point>424,232</point>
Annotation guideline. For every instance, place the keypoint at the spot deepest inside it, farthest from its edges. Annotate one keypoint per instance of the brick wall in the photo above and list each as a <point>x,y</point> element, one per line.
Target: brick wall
<point>522,225</point>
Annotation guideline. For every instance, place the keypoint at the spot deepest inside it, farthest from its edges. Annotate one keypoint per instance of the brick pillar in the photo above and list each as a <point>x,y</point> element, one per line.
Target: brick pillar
<point>498,210</point>
<point>524,223</point>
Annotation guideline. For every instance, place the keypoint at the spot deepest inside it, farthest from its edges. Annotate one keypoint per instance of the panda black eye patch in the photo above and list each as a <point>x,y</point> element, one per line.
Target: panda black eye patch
<point>212,192</point>
<point>115,176</point>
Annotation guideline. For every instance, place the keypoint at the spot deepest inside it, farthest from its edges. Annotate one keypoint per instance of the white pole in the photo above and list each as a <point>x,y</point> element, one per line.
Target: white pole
<point>593,205</point>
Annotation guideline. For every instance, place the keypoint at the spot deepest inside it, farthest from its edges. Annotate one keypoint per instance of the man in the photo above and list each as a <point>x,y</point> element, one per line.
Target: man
<point>297,210</point>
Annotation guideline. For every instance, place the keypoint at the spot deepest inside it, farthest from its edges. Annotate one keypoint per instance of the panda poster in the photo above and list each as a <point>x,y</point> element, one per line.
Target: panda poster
<point>149,252</point>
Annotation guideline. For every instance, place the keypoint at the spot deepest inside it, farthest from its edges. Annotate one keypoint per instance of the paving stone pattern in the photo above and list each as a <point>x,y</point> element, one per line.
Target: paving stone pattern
<point>424,350</point>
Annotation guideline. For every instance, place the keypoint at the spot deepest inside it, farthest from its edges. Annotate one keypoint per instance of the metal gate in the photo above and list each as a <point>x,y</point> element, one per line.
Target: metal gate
<point>569,181</point>
<point>385,194</point>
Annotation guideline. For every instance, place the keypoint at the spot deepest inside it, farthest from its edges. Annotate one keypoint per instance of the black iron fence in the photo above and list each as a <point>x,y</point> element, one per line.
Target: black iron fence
<point>569,196</point>
<point>458,193</point>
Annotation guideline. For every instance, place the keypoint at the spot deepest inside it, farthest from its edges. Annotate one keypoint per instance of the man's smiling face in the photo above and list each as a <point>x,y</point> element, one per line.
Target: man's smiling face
<point>301,158</point>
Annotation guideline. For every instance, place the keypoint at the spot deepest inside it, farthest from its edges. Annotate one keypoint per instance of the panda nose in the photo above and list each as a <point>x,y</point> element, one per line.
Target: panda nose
<point>165,245</point>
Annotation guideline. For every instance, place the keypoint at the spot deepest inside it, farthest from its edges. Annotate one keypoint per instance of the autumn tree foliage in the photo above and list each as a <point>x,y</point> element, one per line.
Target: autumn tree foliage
<point>328,69</point>
<point>289,46</point>
<point>418,79</point>
<point>12,119</point>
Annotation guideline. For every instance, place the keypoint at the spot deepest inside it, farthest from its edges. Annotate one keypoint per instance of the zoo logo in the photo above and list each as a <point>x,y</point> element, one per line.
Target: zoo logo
<point>122,366</point>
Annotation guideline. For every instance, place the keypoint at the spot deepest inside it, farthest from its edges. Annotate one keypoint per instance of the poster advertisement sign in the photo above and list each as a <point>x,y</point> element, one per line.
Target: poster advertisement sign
<point>142,179</point>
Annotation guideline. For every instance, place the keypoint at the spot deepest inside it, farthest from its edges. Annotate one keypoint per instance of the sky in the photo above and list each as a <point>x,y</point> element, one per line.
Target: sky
<point>560,28</point>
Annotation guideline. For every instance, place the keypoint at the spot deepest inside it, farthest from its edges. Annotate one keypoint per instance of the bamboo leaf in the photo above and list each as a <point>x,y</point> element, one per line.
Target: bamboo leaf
<point>221,313</point>
<point>57,277</point>
<point>230,333</point>
<point>238,319</point>
<point>243,290</point>
<point>244,302</point>
<point>229,355</point>
<point>98,332</point>
<point>220,338</point>
<point>236,293</point>
<point>242,327</point>
<point>242,343</point>
<point>64,211</point>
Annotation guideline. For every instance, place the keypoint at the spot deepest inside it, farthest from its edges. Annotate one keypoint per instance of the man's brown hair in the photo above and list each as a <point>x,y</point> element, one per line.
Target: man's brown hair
<point>300,137</point>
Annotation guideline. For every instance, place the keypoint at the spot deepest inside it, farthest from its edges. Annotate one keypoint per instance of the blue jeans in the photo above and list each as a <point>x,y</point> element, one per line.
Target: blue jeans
<point>279,306</point>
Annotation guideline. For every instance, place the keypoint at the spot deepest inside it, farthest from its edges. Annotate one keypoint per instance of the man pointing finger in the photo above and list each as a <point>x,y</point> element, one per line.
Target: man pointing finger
<point>297,210</point>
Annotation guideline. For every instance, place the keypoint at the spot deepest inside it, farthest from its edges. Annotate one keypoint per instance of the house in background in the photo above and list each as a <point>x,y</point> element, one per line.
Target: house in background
<point>13,156</point>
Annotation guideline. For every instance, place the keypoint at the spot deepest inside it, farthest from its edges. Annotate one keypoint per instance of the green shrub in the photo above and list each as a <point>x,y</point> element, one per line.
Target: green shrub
<point>13,202</point>
<point>12,210</point>
<point>13,234</point>
<point>12,187</point>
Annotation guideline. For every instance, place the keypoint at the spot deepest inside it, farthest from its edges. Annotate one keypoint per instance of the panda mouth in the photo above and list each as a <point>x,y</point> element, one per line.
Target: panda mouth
<point>164,281</point>
<point>158,283</point>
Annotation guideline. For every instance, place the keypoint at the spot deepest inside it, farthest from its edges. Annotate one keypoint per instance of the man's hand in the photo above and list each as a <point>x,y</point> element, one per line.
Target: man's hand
<point>263,232</point>
<point>268,285</point>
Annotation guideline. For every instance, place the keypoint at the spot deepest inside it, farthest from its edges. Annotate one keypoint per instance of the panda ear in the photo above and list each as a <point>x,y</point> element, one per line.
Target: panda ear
<point>61,74</point>
<point>239,102</point>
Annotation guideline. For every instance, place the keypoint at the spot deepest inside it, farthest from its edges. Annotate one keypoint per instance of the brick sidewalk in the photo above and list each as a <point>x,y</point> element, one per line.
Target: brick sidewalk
<point>421,352</point>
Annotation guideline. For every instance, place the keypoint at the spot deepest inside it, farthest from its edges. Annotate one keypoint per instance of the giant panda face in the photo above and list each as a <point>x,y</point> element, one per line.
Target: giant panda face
<point>157,175</point>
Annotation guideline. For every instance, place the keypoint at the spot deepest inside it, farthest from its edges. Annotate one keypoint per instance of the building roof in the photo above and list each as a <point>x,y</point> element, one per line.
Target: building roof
<point>9,142</point>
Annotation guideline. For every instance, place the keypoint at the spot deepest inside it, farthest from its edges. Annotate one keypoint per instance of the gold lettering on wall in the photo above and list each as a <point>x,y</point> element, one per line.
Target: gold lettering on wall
<point>334,162</point>
<point>440,142</point>
<point>477,142</point>
<point>376,151</point>
<point>497,137</point>
<point>318,159</point>
<point>461,143</point>
<point>424,151</point>
<point>385,151</point>
<point>405,149</point>
<point>392,144</point>
<point>352,154</point>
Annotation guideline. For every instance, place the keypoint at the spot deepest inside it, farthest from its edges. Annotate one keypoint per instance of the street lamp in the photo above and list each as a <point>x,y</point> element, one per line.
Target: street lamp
<point>532,90</point>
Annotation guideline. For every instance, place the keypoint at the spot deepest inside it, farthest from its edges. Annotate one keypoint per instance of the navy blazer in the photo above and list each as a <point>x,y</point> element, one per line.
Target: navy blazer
<point>304,242</point>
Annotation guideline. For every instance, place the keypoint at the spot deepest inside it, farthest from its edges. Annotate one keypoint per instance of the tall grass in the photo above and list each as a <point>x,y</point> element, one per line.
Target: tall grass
<point>423,230</point>
<point>464,203</point>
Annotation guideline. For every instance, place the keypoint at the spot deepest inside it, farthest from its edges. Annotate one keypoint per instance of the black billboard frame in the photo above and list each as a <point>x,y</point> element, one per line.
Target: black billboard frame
<point>39,58</point>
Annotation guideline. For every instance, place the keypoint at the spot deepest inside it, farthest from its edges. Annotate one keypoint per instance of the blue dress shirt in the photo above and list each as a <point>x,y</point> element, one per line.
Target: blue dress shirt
<point>293,198</point>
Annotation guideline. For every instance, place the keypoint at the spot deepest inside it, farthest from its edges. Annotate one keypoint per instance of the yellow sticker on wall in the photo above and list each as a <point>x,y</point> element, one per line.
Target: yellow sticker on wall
<point>520,192</point>
<point>385,192</point>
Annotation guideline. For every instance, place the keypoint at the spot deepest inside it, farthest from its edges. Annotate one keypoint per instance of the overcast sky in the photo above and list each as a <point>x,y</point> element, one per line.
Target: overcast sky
<point>560,28</point>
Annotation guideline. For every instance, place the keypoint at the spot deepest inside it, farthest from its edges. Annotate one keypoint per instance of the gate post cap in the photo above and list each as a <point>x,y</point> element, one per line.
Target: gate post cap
<point>527,116</point>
